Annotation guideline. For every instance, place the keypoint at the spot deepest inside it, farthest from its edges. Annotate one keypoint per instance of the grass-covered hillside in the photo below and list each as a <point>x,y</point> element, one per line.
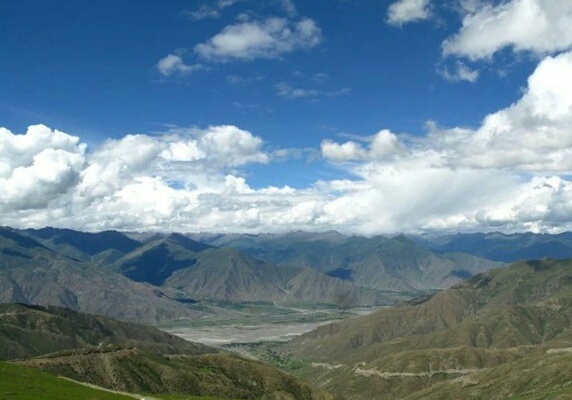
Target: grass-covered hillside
<point>134,358</point>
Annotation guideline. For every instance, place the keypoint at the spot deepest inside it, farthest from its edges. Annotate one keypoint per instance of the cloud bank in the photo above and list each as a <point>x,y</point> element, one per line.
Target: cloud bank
<point>511,174</point>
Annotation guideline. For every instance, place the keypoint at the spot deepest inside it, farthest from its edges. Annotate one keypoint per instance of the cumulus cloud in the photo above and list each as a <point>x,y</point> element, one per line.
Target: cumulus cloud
<point>511,173</point>
<point>460,73</point>
<point>382,146</point>
<point>269,38</point>
<point>406,11</point>
<point>537,26</point>
<point>37,167</point>
<point>464,179</point>
<point>173,64</point>
<point>532,135</point>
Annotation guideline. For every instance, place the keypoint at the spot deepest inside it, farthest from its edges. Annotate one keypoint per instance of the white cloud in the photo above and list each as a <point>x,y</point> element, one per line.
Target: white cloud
<point>270,38</point>
<point>349,151</point>
<point>532,135</point>
<point>405,11</point>
<point>463,179</point>
<point>173,64</point>
<point>285,90</point>
<point>460,73</point>
<point>209,12</point>
<point>37,167</point>
<point>231,146</point>
<point>382,146</point>
<point>289,7</point>
<point>537,26</point>
<point>511,173</point>
<point>203,12</point>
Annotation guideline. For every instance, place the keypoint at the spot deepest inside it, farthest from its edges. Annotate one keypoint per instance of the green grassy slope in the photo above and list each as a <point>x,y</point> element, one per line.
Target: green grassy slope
<point>222,375</point>
<point>21,383</point>
<point>30,331</point>
<point>135,358</point>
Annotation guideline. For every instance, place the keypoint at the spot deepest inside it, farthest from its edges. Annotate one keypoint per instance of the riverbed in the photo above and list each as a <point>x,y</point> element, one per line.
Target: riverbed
<point>224,334</point>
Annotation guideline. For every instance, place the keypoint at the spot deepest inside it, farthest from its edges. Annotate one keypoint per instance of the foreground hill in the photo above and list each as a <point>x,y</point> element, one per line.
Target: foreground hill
<point>504,247</point>
<point>134,358</point>
<point>32,273</point>
<point>30,331</point>
<point>382,263</point>
<point>504,322</point>
<point>24,383</point>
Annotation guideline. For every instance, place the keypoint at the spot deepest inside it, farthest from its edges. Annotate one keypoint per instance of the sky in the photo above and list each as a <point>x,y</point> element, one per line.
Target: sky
<point>366,117</point>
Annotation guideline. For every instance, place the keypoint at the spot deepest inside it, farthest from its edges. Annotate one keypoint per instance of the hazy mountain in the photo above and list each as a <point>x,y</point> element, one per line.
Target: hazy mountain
<point>396,263</point>
<point>82,245</point>
<point>500,321</point>
<point>32,273</point>
<point>155,261</point>
<point>227,274</point>
<point>195,270</point>
<point>505,247</point>
<point>135,358</point>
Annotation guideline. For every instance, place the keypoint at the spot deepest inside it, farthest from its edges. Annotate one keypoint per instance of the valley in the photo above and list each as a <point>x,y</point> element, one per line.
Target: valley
<point>300,315</point>
<point>286,200</point>
<point>274,324</point>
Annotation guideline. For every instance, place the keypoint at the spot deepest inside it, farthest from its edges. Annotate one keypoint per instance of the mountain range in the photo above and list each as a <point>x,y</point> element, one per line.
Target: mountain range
<point>383,263</point>
<point>503,247</point>
<point>32,273</point>
<point>506,332</point>
<point>163,279</point>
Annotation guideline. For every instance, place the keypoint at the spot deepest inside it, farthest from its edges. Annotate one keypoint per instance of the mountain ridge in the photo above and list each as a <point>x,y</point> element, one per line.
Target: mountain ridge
<point>379,262</point>
<point>496,320</point>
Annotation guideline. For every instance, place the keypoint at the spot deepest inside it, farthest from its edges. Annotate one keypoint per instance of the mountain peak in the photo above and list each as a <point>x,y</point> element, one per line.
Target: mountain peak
<point>186,242</point>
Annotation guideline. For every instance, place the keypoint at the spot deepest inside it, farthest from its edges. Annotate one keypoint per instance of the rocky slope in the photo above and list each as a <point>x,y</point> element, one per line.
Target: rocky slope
<point>503,320</point>
<point>34,274</point>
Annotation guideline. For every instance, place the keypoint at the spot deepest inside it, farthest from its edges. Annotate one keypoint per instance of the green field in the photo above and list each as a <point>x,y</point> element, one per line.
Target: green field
<point>21,383</point>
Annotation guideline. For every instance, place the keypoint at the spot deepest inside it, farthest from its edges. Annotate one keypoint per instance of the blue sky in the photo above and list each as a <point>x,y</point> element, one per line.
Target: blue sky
<point>250,116</point>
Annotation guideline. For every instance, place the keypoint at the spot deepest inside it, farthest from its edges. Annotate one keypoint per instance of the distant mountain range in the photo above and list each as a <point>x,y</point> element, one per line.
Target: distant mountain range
<point>33,273</point>
<point>130,358</point>
<point>503,247</point>
<point>163,277</point>
<point>397,263</point>
<point>503,333</point>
